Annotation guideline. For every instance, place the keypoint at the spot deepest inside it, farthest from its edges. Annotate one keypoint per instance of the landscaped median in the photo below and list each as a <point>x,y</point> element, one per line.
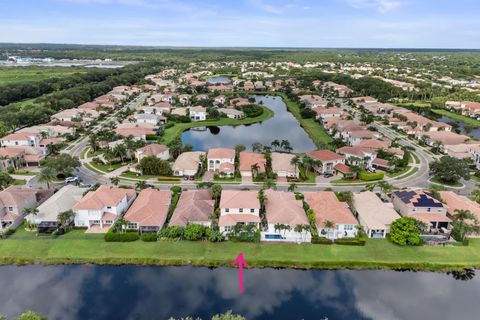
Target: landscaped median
<point>377,253</point>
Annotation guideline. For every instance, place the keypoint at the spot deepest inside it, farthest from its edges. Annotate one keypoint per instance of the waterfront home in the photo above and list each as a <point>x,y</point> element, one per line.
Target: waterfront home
<point>157,150</point>
<point>237,102</point>
<point>218,156</point>
<point>251,163</point>
<point>99,209</point>
<point>374,215</point>
<point>14,200</point>
<point>329,160</point>
<point>454,201</point>
<point>149,211</point>
<point>198,113</point>
<point>193,207</point>
<point>284,214</point>
<point>188,163</point>
<point>282,165</point>
<point>323,114</point>
<point>154,119</point>
<point>357,155</point>
<point>238,207</point>
<point>423,207</point>
<point>333,218</point>
<point>137,130</point>
<point>21,139</point>
<point>444,137</point>
<point>313,101</point>
<point>181,112</point>
<point>232,113</point>
<point>11,158</point>
<point>63,200</point>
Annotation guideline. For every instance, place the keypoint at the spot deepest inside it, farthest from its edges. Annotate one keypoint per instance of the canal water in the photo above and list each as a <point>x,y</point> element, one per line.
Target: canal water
<point>71,292</point>
<point>282,126</point>
<point>471,132</point>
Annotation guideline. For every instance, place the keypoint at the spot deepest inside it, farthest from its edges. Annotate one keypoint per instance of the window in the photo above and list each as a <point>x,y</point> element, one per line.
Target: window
<point>240,210</point>
<point>227,210</point>
<point>10,208</point>
<point>252,210</point>
<point>348,227</point>
<point>109,207</point>
<point>228,228</point>
<point>429,209</point>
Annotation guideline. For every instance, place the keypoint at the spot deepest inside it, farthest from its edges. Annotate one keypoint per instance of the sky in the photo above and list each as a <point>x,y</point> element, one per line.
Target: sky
<point>245,23</point>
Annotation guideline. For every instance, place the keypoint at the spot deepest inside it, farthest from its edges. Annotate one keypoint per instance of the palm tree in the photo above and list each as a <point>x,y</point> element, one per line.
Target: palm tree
<point>30,211</point>
<point>120,151</point>
<point>275,144</point>
<point>329,225</point>
<point>122,223</point>
<point>437,146</point>
<point>269,184</point>
<point>115,180</point>
<point>109,156</point>
<point>385,186</point>
<point>462,227</point>
<point>216,192</point>
<point>292,187</point>
<point>476,194</point>
<point>255,168</point>
<point>140,185</point>
<point>296,160</point>
<point>46,175</point>
<point>262,198</point>
<point>64,218</point>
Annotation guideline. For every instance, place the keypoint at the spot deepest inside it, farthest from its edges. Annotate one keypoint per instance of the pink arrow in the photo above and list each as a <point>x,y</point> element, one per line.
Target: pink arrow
<point>240,261</point>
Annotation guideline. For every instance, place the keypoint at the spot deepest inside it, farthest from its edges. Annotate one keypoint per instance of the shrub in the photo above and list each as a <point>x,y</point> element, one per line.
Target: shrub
<point>351,241</point>
<point>168,179</point>
<point>194,232</point>
<point>149,237</point>
<point>405,231</point>
<point>321,240</point>
<point>121,237</point>
<point>216,236</point>
<point>367,176</point>
<point>176,189</point>
<point>172,232</point>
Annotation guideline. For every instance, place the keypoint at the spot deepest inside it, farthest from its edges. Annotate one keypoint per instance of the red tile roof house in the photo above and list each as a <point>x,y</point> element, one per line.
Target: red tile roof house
<point>364,100</point>
<point>188,163</point>
<point>12,202</point>
<point>327,113</point>
<point>193,207</point>
<point>445,137</point>
<point>329,160</point>
<point>328,208</point>
<point>218,156</point>
<point>454,201</point>
<point>357,136</point>
<point>250,159</point>
<point>99,209</point>
<point>238,207</point>
<point>282,208</point>
<point>149,211</point>
<point>423,207</point>
<point>157,150</point>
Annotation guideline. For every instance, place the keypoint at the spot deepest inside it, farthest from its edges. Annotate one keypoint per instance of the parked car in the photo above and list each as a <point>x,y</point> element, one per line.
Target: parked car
<point>71,179</point>
<point>327,175</point>
<point>372,170</point>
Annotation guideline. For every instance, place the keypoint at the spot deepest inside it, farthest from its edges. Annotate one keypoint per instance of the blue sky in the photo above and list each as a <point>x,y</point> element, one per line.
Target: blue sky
<point>256,23</point>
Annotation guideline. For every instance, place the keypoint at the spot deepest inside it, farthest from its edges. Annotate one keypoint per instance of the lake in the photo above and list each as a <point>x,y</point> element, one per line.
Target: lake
<point>472,132</point>
<point>218,80</point>
<point>282,126</point>
<point>71,292</point>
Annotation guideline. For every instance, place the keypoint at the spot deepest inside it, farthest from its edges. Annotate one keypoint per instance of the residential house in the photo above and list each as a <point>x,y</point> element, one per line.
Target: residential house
<point>154,119</point>
<point>188,163</point>
<point>21,139</point>
<point>283,214</point>
<point>251,162</point>
<point>11,158</point>
<point>327,113</point>
<point>357,155</point>
<point>157,150</point>
<point>423,207</point>
<point>328,209</point>
<point>374,215</point>
<point>282,165</point>
<point>454,202</point>
<point>149,211</point>
<point>198,113</point>
<point>232,113</point>
<point>99,209</point>
<point>218,156</point>
<point>329,160</point>
<point>193,207</point>
<point>238,207</point>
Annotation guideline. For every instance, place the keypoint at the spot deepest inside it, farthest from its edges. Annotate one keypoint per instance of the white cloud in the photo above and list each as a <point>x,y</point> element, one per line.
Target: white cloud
<point>382,6</point>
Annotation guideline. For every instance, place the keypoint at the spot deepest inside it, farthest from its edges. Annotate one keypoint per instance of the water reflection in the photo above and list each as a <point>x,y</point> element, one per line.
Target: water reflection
<point>218,80</point>
<point>129,292</point>
<point>283,126</point>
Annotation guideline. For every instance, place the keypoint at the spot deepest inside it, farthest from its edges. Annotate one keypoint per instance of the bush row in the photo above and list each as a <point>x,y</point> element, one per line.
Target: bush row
<point>121,237</point>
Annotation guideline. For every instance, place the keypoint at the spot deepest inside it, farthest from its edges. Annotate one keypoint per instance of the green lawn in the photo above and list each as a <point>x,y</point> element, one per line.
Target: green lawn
<point>378,253</point>
<point>456,116</point>
<point>35,73</point>
<point>175,131</point>
<point>19,182</point>
<point>455,185</point>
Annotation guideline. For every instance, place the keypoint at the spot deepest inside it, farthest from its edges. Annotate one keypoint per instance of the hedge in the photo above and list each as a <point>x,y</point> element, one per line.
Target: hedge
<point>149,237</point>
<point>367,176</point>
<point>121,237</point>
<point>168,179</point>
<point>351,241</point>
<point>320,240</point>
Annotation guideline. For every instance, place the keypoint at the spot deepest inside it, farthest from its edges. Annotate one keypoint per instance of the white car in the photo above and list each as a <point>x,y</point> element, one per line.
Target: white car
<point>71,179</point>
<point>372,170</point>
